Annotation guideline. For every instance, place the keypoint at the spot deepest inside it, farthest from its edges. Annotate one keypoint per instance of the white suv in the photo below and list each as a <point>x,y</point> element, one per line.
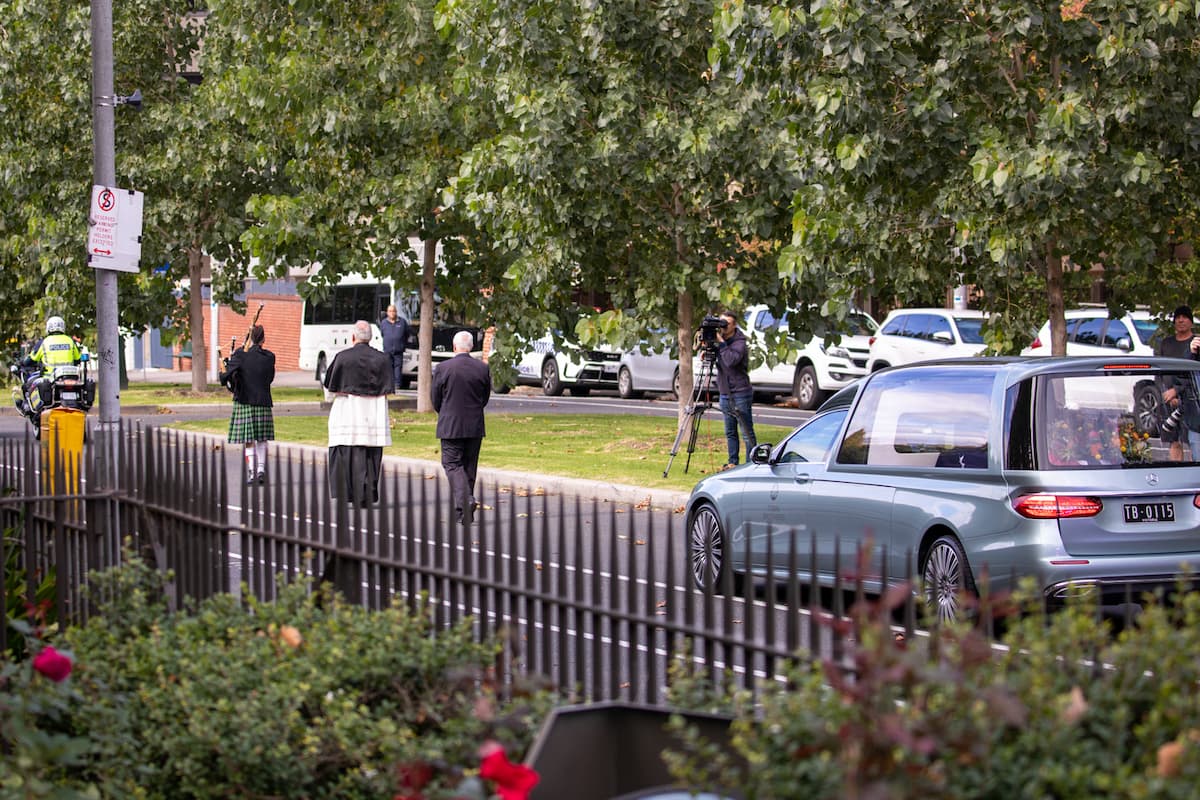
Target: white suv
<point>577,371</point>
<point>812,370</point>
<point>1091,332</point>
<point>923,334</point>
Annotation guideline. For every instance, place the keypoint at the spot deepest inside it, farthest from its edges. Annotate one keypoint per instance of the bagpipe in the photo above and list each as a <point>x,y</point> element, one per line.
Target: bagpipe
<point>229,379</point>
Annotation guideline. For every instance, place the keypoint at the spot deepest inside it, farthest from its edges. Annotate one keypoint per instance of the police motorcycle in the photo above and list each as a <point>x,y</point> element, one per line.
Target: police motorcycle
<point>61,386</point>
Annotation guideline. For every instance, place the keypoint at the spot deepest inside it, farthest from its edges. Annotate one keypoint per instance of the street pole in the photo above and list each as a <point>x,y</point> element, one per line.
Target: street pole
<point>104,168</point>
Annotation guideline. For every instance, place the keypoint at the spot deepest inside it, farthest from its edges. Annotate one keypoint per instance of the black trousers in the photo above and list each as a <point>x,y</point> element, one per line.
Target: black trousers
<point>460,460</point>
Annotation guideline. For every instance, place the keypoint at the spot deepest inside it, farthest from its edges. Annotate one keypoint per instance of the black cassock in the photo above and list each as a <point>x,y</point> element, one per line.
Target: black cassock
<point>354,469</point>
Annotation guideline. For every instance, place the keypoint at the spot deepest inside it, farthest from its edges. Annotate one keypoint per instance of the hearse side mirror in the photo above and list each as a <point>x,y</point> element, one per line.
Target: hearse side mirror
<point>761,453</point>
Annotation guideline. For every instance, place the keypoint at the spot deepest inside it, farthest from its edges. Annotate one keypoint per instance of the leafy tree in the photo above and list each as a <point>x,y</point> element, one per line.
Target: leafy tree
<point>353,101</point>
<point>621,165</point>
<point>190,162</point>
<point>984,139</point>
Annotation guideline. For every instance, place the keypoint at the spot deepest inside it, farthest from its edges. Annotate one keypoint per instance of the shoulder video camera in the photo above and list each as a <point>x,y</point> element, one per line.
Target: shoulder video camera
<point>708,329</point>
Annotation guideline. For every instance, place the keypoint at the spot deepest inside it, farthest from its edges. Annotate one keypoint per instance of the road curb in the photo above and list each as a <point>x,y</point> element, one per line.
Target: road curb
<point>313,407</point>
<point>515,480</point>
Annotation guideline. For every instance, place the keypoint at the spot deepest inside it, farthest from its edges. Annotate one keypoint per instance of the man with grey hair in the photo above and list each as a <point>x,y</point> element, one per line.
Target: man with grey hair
<point>462,386</point>
<point>358,382</point>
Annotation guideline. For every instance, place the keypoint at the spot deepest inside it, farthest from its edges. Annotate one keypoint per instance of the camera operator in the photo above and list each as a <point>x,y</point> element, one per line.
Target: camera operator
<point>1184,344</point>
<point>733,384</point>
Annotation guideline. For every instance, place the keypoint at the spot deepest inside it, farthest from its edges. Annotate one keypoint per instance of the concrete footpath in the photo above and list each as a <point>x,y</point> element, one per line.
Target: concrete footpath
<point>551,484</point>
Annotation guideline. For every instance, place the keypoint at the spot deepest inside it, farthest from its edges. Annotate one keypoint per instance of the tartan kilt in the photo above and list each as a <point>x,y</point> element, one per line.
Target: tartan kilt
<point>251,423</point>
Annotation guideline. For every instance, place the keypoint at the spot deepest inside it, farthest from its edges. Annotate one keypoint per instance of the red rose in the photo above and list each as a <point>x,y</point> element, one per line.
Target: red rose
<point>513,781</point>
<point>53,664</point>
<point>413,776</point>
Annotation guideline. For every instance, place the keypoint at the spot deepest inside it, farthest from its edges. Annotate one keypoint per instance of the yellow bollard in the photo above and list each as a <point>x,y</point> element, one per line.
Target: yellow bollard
<point>62,448</point>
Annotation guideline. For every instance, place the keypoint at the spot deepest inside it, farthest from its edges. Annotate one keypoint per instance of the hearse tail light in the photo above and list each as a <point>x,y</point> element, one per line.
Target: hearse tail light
<point>1126,366</point>
<point>1056,506</point>
<point>1196,501</point>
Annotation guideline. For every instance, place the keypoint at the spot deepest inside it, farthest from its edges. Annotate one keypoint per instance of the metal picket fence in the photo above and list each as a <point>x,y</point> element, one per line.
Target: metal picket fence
<point>595,597</point>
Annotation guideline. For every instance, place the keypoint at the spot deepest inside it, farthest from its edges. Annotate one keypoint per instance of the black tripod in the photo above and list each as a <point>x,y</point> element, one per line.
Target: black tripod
<point>701,402</point>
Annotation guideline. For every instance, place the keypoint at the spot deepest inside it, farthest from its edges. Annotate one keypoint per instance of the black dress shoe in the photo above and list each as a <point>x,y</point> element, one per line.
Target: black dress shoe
<point>261,478</point>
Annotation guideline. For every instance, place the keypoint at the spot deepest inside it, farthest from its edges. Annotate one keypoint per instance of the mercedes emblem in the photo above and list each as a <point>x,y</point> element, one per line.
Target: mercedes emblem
<point>1152,478</point>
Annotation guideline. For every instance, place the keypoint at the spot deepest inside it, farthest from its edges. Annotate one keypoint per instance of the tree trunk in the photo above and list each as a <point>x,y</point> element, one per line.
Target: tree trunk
<point>425,333</point>
<point>685,313</point>
<point>1054,299</point>
<point>196,321</point>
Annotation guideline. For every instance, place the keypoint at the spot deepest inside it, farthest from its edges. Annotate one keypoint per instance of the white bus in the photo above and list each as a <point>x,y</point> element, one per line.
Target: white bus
<point>327,327</point>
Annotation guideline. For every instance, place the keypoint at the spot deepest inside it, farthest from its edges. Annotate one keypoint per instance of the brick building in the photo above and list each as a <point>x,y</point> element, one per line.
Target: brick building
<point>282,312</point>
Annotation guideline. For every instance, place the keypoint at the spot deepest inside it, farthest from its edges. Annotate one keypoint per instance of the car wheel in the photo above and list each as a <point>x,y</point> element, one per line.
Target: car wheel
<point>320,373</point>
<point>707,552</point>
<point>675,383</point>
<point>625,385</point>
<point>805,389</point>
<point>580,391</point>
<point>947,579</point>
<point>551,383</point>
<point>1146,402</point>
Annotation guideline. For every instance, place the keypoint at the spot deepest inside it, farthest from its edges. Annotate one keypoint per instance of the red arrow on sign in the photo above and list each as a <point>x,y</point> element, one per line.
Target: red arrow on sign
<point>102,252</point>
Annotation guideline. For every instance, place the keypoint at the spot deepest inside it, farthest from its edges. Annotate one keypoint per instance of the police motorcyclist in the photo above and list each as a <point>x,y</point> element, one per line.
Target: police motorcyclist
<point>55,350</point>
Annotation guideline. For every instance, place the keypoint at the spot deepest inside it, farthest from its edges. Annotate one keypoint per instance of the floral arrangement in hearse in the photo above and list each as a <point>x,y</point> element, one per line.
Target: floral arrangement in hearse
<point>1135,444</point>
<point>1087,443</point>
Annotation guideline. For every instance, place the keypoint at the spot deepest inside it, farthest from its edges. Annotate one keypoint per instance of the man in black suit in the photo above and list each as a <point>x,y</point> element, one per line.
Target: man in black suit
<point>462,386</point>
<point>248,374</point>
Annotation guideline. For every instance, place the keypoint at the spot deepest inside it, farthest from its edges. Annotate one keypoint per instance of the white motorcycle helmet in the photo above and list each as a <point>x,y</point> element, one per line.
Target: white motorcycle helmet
<point>56,325</point>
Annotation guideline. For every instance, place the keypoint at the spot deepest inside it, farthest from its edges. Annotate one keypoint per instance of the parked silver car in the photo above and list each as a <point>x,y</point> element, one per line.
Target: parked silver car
<point>1017,466</point>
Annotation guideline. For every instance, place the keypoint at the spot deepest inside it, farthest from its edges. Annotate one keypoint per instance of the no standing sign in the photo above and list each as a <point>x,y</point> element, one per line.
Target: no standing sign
<point>115,229</point>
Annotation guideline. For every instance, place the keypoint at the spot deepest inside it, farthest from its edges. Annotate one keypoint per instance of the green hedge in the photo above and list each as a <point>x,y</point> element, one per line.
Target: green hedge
<point>304,697</point>
<point>308,697</point>
<point>1068,708</point>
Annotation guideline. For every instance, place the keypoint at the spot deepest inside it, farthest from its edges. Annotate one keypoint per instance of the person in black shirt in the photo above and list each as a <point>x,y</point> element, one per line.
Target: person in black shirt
<point>1181,345</point>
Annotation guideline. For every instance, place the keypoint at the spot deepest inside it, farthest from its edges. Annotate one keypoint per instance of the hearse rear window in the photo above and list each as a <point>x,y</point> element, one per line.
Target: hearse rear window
<point>1111,419</point>
<point>935,417</point>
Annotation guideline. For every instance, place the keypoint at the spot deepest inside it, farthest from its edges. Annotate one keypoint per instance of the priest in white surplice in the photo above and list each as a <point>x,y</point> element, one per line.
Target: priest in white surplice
<point>358,381</point>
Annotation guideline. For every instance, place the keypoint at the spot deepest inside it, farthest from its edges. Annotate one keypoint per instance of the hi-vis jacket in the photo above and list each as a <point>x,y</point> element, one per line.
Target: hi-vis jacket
<point>56,350</point>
